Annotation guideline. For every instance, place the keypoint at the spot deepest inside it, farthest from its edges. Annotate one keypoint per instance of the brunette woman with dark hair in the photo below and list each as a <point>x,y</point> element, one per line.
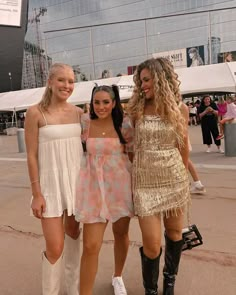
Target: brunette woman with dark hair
<point>208,113</point>
<point>104,187</point>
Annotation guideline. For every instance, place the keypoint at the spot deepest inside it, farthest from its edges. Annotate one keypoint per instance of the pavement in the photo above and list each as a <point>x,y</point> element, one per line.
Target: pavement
<point>206,270</point>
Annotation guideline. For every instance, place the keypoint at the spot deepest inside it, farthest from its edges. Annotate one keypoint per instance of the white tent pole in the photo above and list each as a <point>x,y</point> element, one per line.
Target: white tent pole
<point>14,117</point>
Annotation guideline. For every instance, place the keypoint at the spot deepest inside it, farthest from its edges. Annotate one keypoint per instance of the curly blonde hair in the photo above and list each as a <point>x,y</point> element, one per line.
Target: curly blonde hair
<point>46,99</point>
<point>166,95</point>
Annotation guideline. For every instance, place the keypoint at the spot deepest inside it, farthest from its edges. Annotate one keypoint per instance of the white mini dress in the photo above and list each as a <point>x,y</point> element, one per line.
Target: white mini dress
<point>59,157</point>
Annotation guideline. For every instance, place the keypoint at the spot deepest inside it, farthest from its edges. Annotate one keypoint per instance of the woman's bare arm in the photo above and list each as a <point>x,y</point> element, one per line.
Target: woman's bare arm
<point>184,150</point>
<point>31,141</point>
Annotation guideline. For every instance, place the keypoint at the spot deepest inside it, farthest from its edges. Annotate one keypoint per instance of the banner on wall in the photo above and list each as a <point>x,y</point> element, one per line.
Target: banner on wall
<point>10,12</point>
<point>180,58</point>
<point>195,56</point>
<point>227,56</point>
<point>177,57</point>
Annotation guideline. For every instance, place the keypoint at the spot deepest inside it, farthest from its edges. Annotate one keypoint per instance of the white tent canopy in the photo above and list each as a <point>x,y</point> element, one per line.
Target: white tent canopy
<point>202,79</point>
<point>22,99</point>
<point>207,79</point>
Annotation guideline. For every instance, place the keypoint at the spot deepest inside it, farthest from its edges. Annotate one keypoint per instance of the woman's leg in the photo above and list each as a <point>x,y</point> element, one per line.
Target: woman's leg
<point>72,254</point>
<point>221,125</point>
<point>173,226</point>
<point>52,262</point>
<point>190,119</point>
<point>121,245</point>
<point>206,134</point>
<point>53,231</point>
<point>173,249</point>
<point>150,252</point>
<point>71,226</point>
<point>215,133</point>
<point>151,234</point>
<point>193,171</point>
<point>198,187</point>
<point>221,128</point>
<point>193,119</point>
<point>92,241</point>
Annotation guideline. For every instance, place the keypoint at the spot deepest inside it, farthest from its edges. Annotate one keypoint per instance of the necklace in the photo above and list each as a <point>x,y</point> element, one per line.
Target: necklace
<point>103,130</point>
<point>108,131</point>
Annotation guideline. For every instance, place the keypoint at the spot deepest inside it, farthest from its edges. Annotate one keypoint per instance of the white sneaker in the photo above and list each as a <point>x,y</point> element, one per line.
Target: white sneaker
<point>200,190</point>
<point>220,151</point>
<point>208,150</point>
<point>118,285</point>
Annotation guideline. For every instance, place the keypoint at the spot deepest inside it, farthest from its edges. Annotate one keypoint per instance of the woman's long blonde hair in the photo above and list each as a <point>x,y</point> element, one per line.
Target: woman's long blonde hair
<point>46,99</point>
<point>166,95</point>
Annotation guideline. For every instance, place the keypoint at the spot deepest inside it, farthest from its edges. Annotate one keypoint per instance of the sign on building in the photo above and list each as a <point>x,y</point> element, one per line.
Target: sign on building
<point>177,57</point>
<point>10,13</point>
<point>195,56</point>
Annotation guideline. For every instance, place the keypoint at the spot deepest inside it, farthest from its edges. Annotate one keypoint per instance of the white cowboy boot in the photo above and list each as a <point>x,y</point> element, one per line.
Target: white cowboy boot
<point>72,262</point>
<point>51,276</point>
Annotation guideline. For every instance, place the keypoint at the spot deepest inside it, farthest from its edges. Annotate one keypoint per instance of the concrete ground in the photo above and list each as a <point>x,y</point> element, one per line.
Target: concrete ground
<point>206,270</point>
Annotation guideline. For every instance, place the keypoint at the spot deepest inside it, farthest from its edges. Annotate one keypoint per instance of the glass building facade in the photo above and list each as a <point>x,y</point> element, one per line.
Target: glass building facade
<point>12,46</point>
<point>105,38</point>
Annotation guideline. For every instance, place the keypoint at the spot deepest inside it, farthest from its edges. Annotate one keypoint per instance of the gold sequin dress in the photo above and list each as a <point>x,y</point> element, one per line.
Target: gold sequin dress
<point>160,179</point>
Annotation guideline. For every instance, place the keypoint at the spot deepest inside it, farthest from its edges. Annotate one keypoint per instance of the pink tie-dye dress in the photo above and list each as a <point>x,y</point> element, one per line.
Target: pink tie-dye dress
<point>104,185</point>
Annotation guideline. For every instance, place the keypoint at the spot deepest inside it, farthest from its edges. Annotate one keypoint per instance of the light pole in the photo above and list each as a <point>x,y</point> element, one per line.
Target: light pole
<point>10,78</point>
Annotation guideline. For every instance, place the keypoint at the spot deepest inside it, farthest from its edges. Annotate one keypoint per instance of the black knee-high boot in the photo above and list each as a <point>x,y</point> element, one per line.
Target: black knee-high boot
<point>172,258</point>
<point>150,271</point>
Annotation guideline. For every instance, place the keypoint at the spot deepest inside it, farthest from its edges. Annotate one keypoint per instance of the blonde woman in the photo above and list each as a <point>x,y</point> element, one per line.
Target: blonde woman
<point>52,135</point>
<point>197,186</point>
<point>160,178</point>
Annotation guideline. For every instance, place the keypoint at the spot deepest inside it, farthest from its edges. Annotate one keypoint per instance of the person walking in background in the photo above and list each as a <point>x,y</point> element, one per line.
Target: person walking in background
<point>188,106</point>
<point>193,114</point>
<point>54,149</point>
<point>208,113</point>
<point>86,108</point>
<point>222,108</point>
<point>160,178</point>
<point>229,116</point>
<point>104,186</point>
<point>197,186</point>
<point>197,104</point>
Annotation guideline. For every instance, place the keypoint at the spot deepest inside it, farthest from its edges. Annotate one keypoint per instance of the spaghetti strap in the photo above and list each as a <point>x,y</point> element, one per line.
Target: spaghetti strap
<point>43,116</point>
